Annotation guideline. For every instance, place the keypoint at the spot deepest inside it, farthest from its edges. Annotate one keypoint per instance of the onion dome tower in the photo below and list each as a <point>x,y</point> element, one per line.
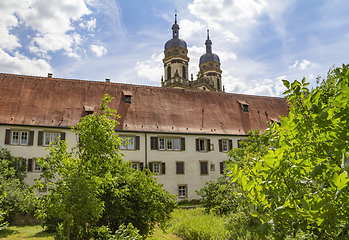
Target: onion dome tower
<point>176,61</point>
<point>210,74</point>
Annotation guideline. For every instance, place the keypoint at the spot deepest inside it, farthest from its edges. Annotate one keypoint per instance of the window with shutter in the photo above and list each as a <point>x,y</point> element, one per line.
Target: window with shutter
<point>230,144</point>
<point>221,167</point>
<point>163,168</point>
<point>183,144</point>
<point>127,143</point>
<point>31,138</point>
<point>7,136</point>
<point>154,143</point>
<point>179,167</point>
<point>203,167</point>
<point>220,145</point>
<point>137,142</point>
<point>30,165</point>
<point>141,166</point>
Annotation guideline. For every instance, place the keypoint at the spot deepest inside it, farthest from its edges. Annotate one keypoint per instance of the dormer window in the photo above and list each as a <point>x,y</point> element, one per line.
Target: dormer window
<point>89,110</point>
<point>128,96</point>
<point>244,105</point>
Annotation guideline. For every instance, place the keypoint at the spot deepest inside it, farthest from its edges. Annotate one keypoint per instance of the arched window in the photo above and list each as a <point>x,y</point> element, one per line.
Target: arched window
<point>218,83</point>
<point>169,72</point>
<point>183,70</point>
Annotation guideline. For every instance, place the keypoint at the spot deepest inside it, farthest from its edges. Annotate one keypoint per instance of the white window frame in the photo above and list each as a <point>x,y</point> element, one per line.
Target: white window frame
<point>19,137</point>
<point>37,167</point>
<point>182,191</point>
<point>162,144</point>
<point>135,165</point>
<point>169,143</point>
<point>157,169</point>
<point>225,145</point>
<point>127,143</point>
<point>51,137</point>
<point>176,144</point>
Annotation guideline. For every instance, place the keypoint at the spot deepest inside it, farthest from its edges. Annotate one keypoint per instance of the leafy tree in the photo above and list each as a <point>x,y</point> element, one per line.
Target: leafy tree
<point>301,185</point>
<point>16,197</point>
<point>92,190</point>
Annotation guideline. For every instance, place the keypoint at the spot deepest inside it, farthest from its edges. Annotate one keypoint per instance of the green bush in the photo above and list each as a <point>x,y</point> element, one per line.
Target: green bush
<point>197,225</point>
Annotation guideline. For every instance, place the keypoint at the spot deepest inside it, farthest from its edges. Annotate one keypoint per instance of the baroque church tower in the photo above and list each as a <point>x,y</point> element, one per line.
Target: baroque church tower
<point>176,64</point>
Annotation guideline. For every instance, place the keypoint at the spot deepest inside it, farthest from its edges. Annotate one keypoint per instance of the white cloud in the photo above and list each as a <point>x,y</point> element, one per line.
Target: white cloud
<point>305,64</point>
<point>231,37</point>
<point>226,11</point>
<point>23,65</point>
<point>151,69</point>
<point>90,25</point>
<point>98,50</point>
<point>188,28</point>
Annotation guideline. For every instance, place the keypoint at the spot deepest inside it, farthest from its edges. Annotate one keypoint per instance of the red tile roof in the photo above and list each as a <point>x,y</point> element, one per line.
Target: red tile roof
<point>54,102</point>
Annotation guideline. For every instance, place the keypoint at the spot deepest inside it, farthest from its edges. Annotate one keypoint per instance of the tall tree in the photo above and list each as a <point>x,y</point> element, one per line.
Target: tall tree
<point>91,181</point>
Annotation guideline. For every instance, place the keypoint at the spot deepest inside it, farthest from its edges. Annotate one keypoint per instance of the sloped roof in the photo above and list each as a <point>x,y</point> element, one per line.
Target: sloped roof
<point>54,102</point>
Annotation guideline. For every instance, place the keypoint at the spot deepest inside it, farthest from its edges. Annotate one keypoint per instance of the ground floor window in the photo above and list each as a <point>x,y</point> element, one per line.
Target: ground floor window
<point>182,191</point>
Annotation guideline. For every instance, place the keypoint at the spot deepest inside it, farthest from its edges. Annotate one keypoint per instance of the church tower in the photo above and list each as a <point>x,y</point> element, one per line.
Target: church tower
<point>210,73</point>
<point>176,61</point>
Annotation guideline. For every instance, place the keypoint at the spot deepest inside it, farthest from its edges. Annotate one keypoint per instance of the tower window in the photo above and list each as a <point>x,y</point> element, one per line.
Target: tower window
<point>218,83</point>
<point>169,72</point>
<point>183,69</point>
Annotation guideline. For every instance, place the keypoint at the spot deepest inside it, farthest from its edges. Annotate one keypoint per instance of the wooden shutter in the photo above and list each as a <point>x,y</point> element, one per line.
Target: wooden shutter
<point>154,143</point>
<point>7,136</point>
<point>230,144</point>
<point>220,145</point>
<point>31,138</point>
<point>137,143</point>
<point>221,167</point>
<point>179,167</point>
<point>40,138</point>
<point>30,165</point>
<point>203,168</point>
<point>141,166</point>
<point>151,166</point>
<point>208,145</point>
<point>62,135</point>
<point>197,144</point>
<point>163,169</point>
<point>183,144</point>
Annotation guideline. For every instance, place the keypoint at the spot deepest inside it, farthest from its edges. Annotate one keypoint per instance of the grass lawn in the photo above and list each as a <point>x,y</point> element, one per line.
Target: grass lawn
<point>35,232</point>
<point>25,232</point>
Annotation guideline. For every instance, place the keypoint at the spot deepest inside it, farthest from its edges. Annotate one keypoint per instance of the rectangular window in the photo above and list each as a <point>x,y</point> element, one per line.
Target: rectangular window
<point>212,167</point>
<point>24,138</point>
<point>176,144</point>
<point>127,143</point>
<point>169,143</point>
<point>37,167</point>
<point>156,168</point>
<point>182,191</point>
<point>202,145</point>
<point>51,137</point>
<point>15,137</point>
<point>204,168</point>
<point>161,143</point>
<point>179,167</point>
<point>135,165</point>
<point>225,145</point>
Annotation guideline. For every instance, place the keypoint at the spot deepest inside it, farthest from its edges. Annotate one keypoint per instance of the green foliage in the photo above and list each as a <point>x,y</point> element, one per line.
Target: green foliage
<point>196,224</point>
<point>301,185</point>
<point>219,196</point>
<point>127,233</point>
<point>3,223</point>
<point>16,197</point>
<point>91,186</point>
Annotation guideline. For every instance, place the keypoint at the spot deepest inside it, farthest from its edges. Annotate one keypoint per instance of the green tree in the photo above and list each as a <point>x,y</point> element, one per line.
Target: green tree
<point>17,198</point>
<point>92,189</point>
<point>301,185</point>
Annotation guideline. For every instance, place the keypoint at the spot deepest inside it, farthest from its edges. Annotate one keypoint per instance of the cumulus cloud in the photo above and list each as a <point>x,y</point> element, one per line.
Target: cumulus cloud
<point>188,28</point>
<point>23,65</point>
<point>99,50</point>
<point>151,69</point>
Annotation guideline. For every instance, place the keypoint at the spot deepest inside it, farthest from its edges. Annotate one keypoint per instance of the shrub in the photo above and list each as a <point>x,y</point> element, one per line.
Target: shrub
<point>198,225</point>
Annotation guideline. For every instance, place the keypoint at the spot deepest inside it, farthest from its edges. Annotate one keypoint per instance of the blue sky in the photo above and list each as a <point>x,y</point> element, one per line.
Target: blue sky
<point>259,42</point>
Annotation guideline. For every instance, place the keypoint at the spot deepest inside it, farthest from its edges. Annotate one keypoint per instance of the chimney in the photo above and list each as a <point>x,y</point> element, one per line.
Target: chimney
<point>49,75</point>
<point>107,80</point>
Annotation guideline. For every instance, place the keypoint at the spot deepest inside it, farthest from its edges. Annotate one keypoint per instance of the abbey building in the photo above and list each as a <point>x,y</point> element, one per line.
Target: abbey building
<point>176,63</point>
<point>181,131</point>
